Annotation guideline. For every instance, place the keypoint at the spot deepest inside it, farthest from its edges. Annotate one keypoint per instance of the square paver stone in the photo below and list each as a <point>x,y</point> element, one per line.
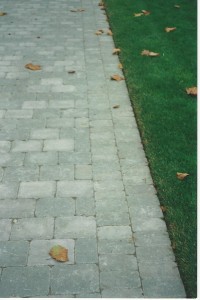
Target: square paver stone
<point>13,253</point>
<point>75,279</point>
<point>75,227</point>
<point>39,252</point>
<point>86,251</point>
<point>25,282</point>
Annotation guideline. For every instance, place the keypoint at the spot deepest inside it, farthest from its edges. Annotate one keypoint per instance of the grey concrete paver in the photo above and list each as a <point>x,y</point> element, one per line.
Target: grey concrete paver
<point>72,167</point>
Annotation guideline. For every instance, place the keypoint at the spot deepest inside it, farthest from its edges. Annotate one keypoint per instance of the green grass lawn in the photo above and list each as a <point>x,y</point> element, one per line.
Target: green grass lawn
<point>166,115</point>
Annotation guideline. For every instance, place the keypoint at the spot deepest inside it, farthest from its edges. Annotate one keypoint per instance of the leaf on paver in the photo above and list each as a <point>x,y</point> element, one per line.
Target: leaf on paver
<point>181,176</point>
<point>33,67</point>
<point>99,32</point>
<point>177,6</point>
<point>169,29</point>
<point>77,10</point>
<point>120,66</point>
<point>116,51</point>
<point>71,71</point>
<point>146,12</point>
<point>116,106</point>
<point>116,77</point>
<point>149,53</point>
<point>101,4</point>
<point>59,253</point>
<point>192,91</point>
<point>2,13</point>
<point>109,32</point>
<point>138,14</point>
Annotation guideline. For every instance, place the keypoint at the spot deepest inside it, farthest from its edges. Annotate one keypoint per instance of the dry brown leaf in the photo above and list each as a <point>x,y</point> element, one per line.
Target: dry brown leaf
<point>138,14</point>
<point>33,67</point>
<point>77,10</point>
<point>116,51</point>
<point>59,253</point>
<point>192,91</point>
<point>163,208</point>
<point>173,245</point>
<point>109,32</point>
<point>149,53</point>
<point>177,6</point>
<point>101,4</point>
<point>116,106</point>
<point>2,13</point>
<point>71,71</point>
<point>116,77</point>
<point>169,29</point>
<point>181,176</point>
<point>120,66</point>
<point>146,12</point>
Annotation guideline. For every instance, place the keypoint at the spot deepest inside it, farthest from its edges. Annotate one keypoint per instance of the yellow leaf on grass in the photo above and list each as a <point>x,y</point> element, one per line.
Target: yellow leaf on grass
<point>149,53</point>
<point>116,51</point>
<point>120,66</point>
<point>169,29</point>
<point>146,12</point>
<point>177,6</point>
<point>138,14</point>
<point>181,176</point>
<point>33,67</point>
<point>2,13</point>
<point>116,77</point>
<point>109,32</point>
<point>192,91</point>
<point>59,253</point>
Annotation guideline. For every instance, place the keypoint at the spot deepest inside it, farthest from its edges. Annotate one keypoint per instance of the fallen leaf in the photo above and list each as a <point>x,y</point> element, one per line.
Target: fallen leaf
<point>116,51</point>
<point>33,67</point>
<point>59,253</point>
<point>116,77</point>
<point>146,12</point>
<point>169,29</point>
<point>100,4</point>
<point>192,91</point>
<point>163,208</point>
<point>138,14</point>
<point>116,106</point>
<point>109,32</point>
<point>77,10</point>
<point>2,13</point>
<point>173,245</point>
<point>149,53</point>
<point>120,66</point>
<point>181,176</point>
<point>177,6</point>
<point>71,71</point>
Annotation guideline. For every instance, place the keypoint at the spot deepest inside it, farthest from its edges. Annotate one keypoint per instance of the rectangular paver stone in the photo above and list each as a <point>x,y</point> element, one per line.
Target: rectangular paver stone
<point>57,172</point>
<point>37,189</point>
<point>20,208</point>
<point>77,188</point>
<point>8,190</point>
<point>59,145</point>
<point>26,146</point>
<point>5,229</point>
<point>55,207</point>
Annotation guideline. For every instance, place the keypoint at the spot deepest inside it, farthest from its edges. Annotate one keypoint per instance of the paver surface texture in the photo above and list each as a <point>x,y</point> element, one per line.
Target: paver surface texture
<point>72,168</point>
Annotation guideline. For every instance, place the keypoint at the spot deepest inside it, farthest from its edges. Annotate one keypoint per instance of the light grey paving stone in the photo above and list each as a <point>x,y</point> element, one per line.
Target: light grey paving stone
<point>41,158</point>
<point>144,212</point>
<point>26,146</point>
<point>86,251</point>
<point>21,173</point>
<point>13,253</point>
<point>75,157</point>
<point>165,270</point>
<point>148,238</point>
<point>61,104</point>
<point>37,189</point>
<point>34,104</point>
<point>122,293</point>
<point>42,134</point>
<point>139,189</point>
<point>20,208</point>
<point>63,89</point>
<point>108,185</point>
<point>117,262</point>
<point>85,206</point>
<point>154,253</point>
<point>83,172</point>
<point>8,190</point>
<point>57,172</point>
<point>30,124</point>
<point>60,123</point>
<point>39,252</point>
<point>112,279</point>
<point>5,146</point>
<point>51,81</point>
<point>25,281</point>
<point>59,296</point>
<point>75,227</point>
<point>114,232</point>
<point>24,114</point>
<point>113,218</point>
<point>169,288</point>
<point>77,188</point>
<point>150,224</point>
<point>1,173</point>
<point>88,295</point>
<point>2,112</point>
<point>9,134</point>
<point>75,279</point>
<point>46,113</point>
<point>32,228</point>
<point>55,207</point>
<point>5,229</point>
<point>59,145</point>
<point>82,122</point>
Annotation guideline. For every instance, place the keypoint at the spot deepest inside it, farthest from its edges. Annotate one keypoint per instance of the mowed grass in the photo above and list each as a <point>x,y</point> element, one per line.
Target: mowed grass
<point>166,115</point>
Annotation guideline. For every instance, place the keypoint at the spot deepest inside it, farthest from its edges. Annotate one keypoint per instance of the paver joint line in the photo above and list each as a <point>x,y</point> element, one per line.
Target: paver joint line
<point>72,168</point>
